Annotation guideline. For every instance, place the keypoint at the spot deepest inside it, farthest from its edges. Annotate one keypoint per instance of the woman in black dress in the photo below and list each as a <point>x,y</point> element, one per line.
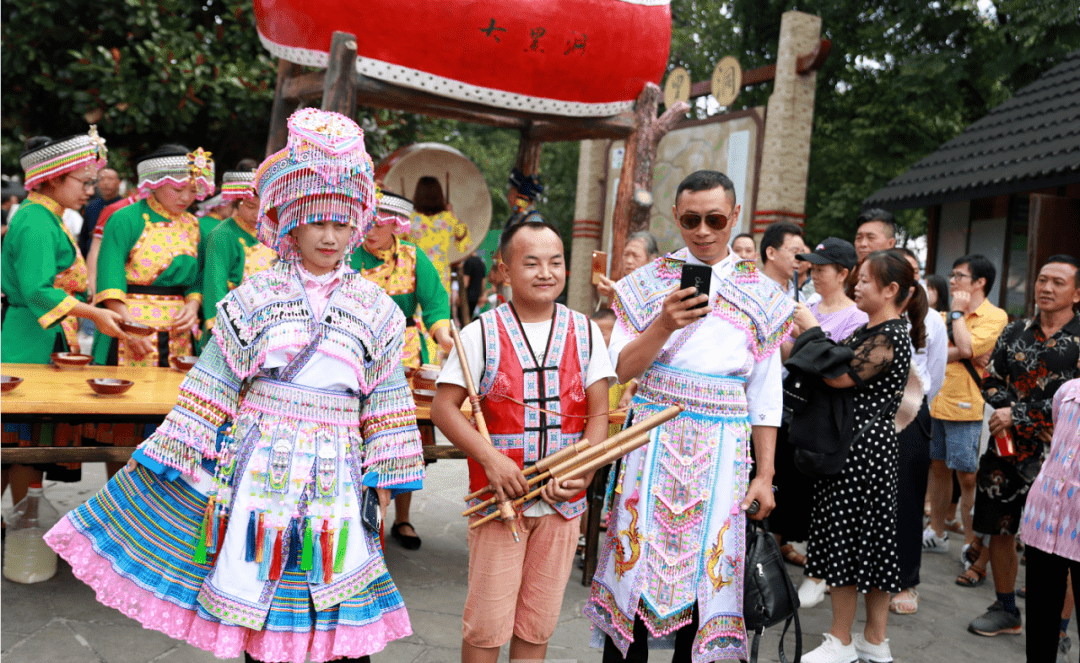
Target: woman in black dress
<point>853,543</point>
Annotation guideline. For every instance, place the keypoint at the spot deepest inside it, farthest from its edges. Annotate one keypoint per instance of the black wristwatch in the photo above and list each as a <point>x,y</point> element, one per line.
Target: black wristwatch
<point>956,315</point>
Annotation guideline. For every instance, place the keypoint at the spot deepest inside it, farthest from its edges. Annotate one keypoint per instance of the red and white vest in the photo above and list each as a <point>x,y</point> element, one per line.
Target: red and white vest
<point>551,378</point>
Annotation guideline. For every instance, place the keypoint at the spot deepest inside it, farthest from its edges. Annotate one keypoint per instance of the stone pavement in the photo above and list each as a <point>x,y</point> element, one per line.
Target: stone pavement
<point>58,621</point>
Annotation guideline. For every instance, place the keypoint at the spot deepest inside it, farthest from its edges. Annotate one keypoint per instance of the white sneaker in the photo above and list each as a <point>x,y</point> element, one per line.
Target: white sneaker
<point>811,592</point>
<point>873,653</point>
<point>931,542</point>
<point>831,651</point>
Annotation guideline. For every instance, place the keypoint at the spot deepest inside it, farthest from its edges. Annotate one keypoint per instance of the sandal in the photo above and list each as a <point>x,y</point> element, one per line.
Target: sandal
<point>1022,592</point>
<point>407,542</point>
<point>973,577</point>
<point>792,556</point>
<point>972,552</point>
<point>905,603</point>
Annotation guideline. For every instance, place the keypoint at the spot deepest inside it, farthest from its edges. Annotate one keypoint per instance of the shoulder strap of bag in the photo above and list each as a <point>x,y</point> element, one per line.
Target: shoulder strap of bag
<point>966,363</point>
<point>897,396</point>
<point>756,642</point>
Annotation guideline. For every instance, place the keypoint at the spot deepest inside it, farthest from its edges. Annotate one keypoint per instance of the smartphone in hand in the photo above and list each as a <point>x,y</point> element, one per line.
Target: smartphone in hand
<point>599,266</point>
<point>370,510</point>
<point>696,276</point>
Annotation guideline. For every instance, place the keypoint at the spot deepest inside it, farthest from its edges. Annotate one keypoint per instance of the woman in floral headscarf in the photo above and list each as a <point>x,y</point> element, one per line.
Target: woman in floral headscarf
<point>148,268</point>
<point>148,272</point>
<point>248,523</point>
<point>44,279</point>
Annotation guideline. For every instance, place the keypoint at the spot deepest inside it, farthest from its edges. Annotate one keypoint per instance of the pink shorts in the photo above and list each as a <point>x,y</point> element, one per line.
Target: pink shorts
<point>517,588</point>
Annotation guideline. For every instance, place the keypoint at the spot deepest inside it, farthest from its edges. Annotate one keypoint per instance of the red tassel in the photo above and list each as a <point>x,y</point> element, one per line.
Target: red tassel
<point>275,565</point>
<point>259,534</point>
<point>222,523</point>
<point>327,556</point>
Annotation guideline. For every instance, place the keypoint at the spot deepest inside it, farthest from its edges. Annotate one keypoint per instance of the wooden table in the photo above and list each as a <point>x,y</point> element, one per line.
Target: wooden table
<point>49,394</point>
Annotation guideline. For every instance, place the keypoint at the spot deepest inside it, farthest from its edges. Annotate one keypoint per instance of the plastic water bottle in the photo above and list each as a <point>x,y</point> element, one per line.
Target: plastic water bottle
<point>27,559</point>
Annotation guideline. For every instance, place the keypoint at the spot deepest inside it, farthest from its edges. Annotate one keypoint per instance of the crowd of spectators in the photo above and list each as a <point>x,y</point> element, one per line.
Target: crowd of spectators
<point>946,487</point>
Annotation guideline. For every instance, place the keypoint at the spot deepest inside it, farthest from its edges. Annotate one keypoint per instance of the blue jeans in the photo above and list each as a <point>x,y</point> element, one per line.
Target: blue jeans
<point>956,443</point>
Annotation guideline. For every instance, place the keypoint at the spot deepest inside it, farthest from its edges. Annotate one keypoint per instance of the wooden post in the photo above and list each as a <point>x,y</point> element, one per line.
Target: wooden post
<point>633,200</point>
<point>785,157</point>
<point>588,223</point>
<point>282,107</point>
<point>339,86</point>
<point>528,154</point>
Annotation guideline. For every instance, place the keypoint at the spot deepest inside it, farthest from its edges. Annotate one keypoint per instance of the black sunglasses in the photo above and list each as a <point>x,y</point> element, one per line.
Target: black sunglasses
<point>690,220</point>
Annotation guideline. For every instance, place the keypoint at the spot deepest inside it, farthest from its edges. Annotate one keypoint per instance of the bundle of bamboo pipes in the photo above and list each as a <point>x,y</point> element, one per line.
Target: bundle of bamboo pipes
<point>577,460</point>
<point>506,510</point>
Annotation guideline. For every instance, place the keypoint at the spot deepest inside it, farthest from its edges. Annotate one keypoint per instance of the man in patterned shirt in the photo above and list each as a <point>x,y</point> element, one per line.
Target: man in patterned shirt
<point>1031,360</point>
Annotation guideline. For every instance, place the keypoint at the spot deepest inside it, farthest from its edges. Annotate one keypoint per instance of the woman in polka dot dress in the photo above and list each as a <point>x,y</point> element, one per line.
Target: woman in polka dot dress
<point>853,528</point>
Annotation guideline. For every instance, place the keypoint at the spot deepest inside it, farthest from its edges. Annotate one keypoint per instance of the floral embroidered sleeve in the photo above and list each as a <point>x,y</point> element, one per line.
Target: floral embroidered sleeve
<point>393,456</point>
<point>873,356</point>
<point>1033,416</point>
<point>209,397</point>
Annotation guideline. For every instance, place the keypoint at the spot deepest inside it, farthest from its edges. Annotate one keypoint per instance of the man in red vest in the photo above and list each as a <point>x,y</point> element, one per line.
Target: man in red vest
<point>543,374</point>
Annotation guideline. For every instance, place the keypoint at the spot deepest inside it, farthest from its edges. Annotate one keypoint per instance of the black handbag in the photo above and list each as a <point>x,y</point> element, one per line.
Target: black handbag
<point>769,597</point>
<point>821,424</point>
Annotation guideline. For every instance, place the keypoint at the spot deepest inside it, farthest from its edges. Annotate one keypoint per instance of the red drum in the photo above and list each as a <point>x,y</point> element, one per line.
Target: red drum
<point>560,57</point>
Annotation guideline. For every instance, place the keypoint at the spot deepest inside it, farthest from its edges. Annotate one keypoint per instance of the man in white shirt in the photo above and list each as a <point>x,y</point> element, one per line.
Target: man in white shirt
<point>543,372</point>
<point>780,243</point>
<point>674,552</point>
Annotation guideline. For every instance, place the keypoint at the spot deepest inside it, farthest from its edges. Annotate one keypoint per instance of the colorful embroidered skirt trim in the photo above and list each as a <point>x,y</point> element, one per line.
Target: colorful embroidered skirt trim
<point>133,544</point>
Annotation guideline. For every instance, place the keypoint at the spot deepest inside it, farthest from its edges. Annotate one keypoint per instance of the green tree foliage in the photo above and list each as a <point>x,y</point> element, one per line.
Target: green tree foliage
<point>195,73</point>
<point>145,72</point>
<point>903,77</point>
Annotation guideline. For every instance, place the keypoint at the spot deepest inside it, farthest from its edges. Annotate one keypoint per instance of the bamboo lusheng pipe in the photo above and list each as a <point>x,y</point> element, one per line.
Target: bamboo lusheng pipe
<point>505,508</point>
<point>562,461</point>
<point>582,446</point>
<point>572,473</point>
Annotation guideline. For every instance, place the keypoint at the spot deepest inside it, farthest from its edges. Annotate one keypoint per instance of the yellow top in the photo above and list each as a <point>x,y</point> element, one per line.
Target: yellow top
<point>959,399</point>
<point>434,234</point>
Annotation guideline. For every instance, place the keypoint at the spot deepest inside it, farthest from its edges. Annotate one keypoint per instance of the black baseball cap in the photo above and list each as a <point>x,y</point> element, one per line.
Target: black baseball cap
<point>833,251</point>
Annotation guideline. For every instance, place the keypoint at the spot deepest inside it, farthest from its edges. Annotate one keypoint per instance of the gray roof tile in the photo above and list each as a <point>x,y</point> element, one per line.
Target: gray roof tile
<point>1030,141</point>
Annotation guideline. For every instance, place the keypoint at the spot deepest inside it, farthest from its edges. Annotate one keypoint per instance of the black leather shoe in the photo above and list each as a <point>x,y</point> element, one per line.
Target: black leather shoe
<point>407,542</point>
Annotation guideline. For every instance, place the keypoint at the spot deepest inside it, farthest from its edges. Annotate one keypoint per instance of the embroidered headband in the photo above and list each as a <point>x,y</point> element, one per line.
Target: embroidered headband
<point>63,156</point>
<point>178,170</point>
<point>323,174</point>
<point>394,209</point>
<point>237,185</point>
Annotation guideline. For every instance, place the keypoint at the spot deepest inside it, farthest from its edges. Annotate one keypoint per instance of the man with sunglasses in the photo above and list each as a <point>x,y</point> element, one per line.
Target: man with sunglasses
<point>690,483</point>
